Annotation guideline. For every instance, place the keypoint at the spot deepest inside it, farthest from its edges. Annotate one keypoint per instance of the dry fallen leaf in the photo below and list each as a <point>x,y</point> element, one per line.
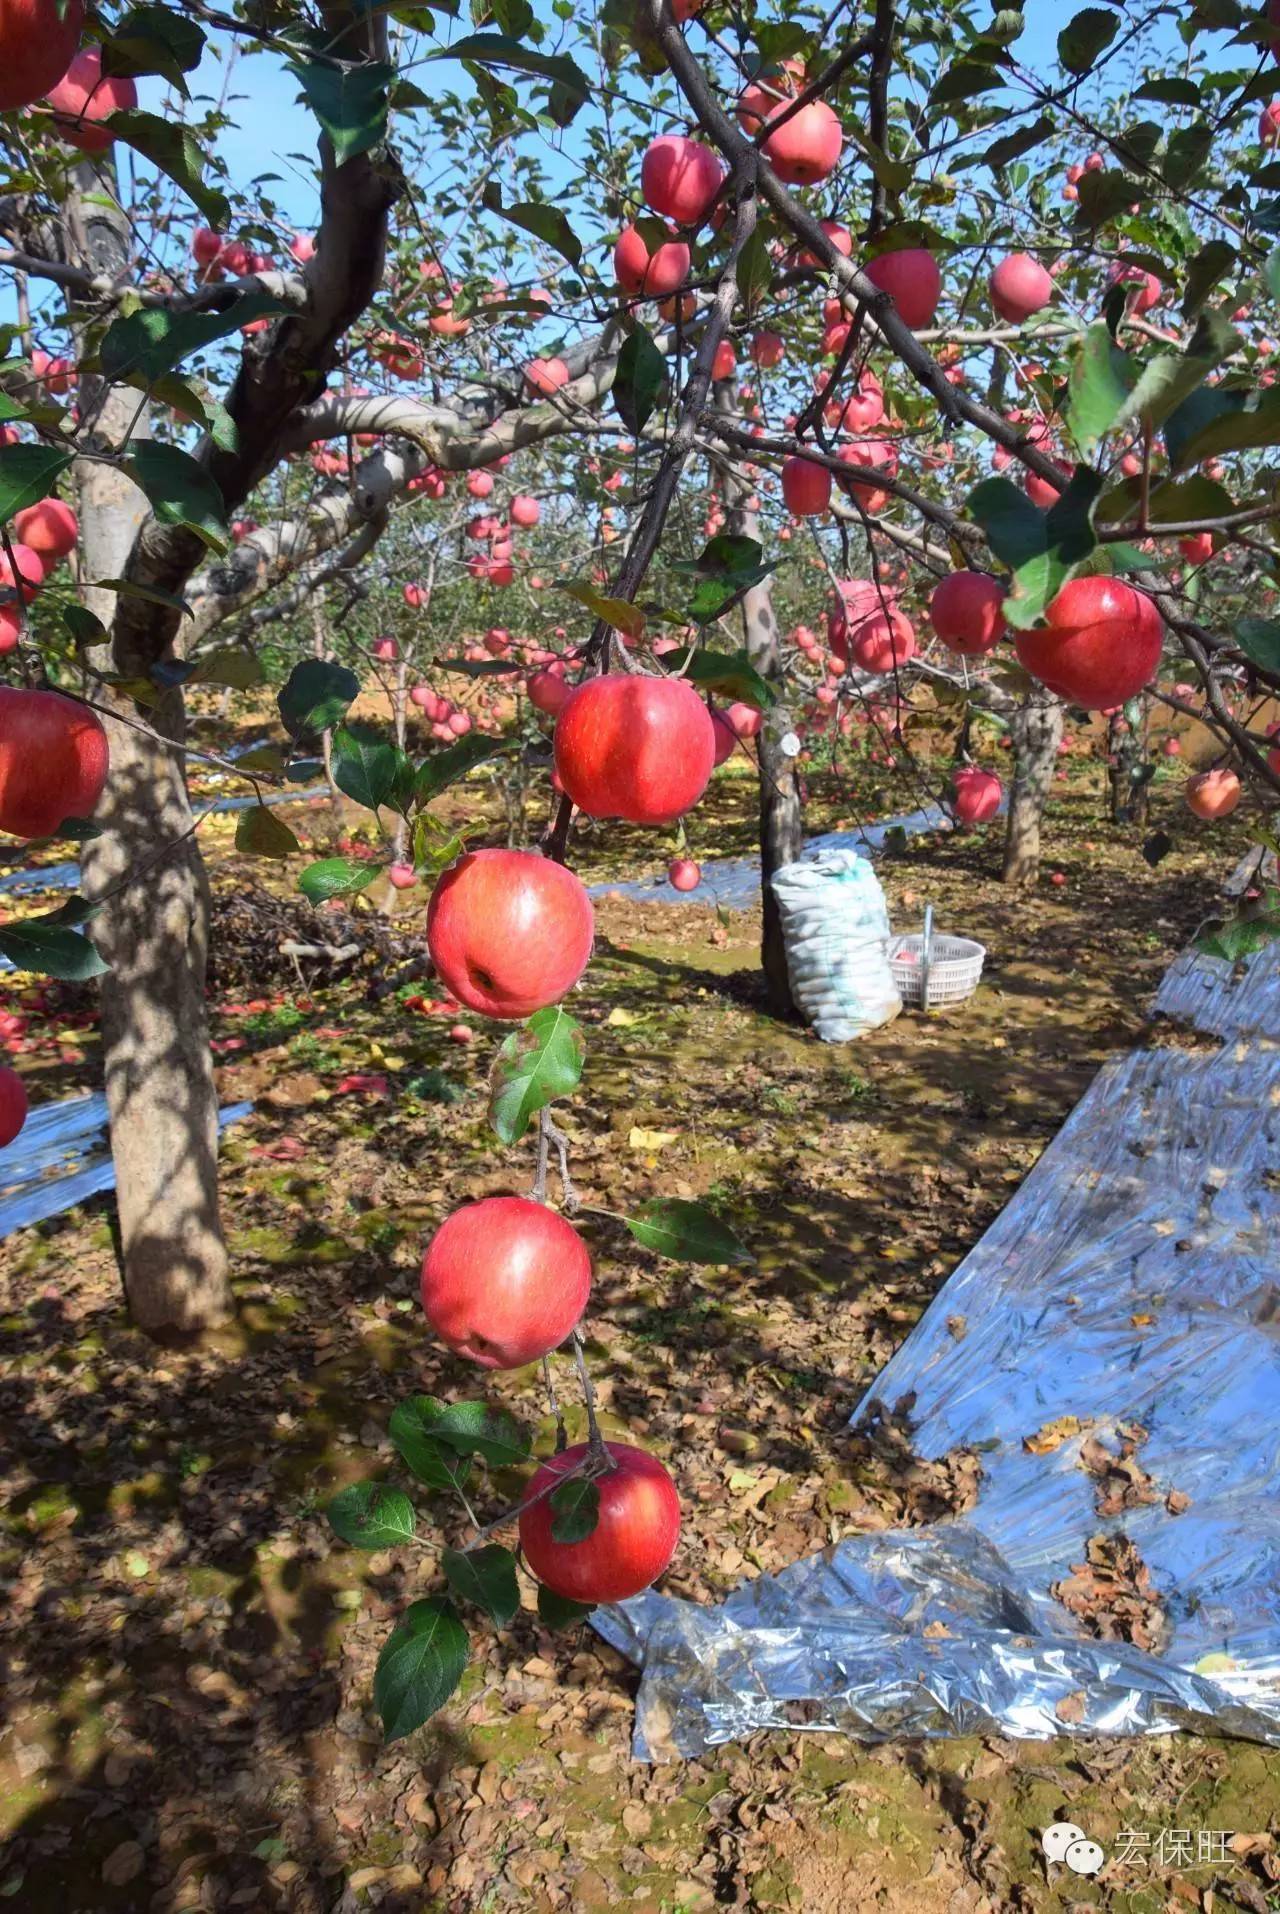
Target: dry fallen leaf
<point>123,1864</point>
<point>651,1139</point>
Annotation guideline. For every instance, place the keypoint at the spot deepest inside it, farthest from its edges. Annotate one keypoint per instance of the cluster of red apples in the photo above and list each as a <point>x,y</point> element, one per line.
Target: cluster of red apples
<point>505,1280</point>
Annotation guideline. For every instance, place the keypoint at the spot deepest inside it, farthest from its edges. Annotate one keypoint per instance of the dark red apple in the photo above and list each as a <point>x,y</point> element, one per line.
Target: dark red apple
<point>504,1281</point>
<point>13,1105</point>
<point>1100,643</point>
<point>632,1542</point>
<point>53,761</point>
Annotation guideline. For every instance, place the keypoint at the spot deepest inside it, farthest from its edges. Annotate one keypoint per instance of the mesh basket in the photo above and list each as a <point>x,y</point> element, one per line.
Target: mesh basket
<point>955,966</point>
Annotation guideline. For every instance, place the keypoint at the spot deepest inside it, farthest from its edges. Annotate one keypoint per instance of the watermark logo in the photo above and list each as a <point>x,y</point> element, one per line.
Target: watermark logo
<point>1069,1846</point>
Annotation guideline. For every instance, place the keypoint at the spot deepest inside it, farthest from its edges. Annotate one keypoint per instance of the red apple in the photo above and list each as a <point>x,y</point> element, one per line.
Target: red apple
<point>546,376</point>
<point>548,692</point>
<point>386,650</point>
<point>977,794</point>
<point>1100,643</point>
<point>806,487</point>
<point>680,178</point>
<point>509,931</point>
<point>13,1105</point>
<point>403,876</point>
<point>683,874</point>
<point>767,348</point>
<point>38,42</point>
<point>23,574</point>
<point>725,363</point>
<point>53,761</point>
<point>525,511</point>
<point>635,747</point>
<point>48,528</point>
<point>1213,794</point>
<point>806,147</point>
<point>1020,286</point>
<point>966,611</point>
<point>504,1281</point>
<point>83,98</point>
<point>10,627</point>
<point>913,282</point>
<point>726,736</point>
<point>649,275</point>
<point>634,1537</point>
<point>745,719</point>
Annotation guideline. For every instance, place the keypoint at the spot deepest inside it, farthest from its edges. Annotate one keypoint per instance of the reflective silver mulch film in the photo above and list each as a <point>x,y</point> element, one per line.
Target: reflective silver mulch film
<point>1134,1278</point>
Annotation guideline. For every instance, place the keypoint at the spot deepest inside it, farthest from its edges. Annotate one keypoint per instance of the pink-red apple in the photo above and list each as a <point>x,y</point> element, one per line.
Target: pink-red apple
<point>635,747</point>
<point>38,41</point>
<point>634,1537</point>
<point>53,761</point>
<point>966,611</point>
<point>1100,643</point>
<point>504,1281</point>
<point>509,931</point>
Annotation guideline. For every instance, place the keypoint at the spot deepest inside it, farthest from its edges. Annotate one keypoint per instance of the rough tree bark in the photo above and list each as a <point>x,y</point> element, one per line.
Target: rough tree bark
<point>781,807</point>
<point>146,875</point>
<point>1035,731</point>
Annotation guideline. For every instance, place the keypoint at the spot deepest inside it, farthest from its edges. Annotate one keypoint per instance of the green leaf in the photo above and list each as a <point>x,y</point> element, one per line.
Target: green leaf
<point>620,613</point>
<point>10,409</point>
<point>474,1428</point>
<point>754,270</point>
<point>350,102</point>
<point>1101,379</point>
<point>180,490</point>
<point>443,768</point>
<point>364,765</point>
<point>410,1428</point>
<point>575,1509</point>
<point>477,667</point>
<point>372,1515</point>
<point>727,565</point>
<point>268,758</point>
<point>1104,196</point>
<point>546,223</point>
<point>1041,549</point>
<point>1259,639</point>
<point>207,414</point>
<point>175,150</point>
<point>965,80</point>
<point>730,673</point>
<point>262,834</point>
<point>335,877</point>
<point>1012,146</point>
<point>894,175</point>
<point>534,1066</point>
<point>1187,154</point>
<point>230,667</point>
<point>1235,431</point>
<point>639,377</point>
<point>1169,90</point>
<point>420,1665</point>
<point>1240,937</point>
<point>81,830</point>
<point>485,1577</point>
<point>558,1611</point>
<point>1086,36</point>
<point>49,947</point>
<point>1212,263</point>
<point>316,697</point>
<point>28,473</point>
<point>1206,406</point>
<point>1168,380</point>
<point>151,39</point>
<point>686,1232</point>
<point>154,340</point>
<point>570,87</point>
<point>149,594</point>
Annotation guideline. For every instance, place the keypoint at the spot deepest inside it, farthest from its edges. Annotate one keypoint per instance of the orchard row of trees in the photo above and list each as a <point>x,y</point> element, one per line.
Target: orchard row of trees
<point>708,375</point>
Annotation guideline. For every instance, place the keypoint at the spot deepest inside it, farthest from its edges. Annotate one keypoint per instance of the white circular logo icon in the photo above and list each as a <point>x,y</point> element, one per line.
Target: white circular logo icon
<point>1056,1840</point>
<point>1084,1857</point>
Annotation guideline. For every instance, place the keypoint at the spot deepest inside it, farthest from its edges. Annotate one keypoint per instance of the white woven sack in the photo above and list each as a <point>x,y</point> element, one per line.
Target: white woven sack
<point>835,930</point>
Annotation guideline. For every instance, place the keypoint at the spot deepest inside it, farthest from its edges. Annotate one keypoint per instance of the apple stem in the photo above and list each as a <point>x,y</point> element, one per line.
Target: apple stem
<point>597,1454</point>
<point>548,1134</point>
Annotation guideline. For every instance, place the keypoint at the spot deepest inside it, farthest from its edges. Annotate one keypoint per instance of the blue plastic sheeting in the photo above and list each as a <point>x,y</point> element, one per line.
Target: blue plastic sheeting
<point>62,1157</point>
<point>734,883</point>
<point>65,877</point>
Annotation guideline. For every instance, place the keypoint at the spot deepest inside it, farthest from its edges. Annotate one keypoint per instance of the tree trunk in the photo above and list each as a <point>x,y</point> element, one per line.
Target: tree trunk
<point>147,877</point>
<point>1036,732</point>
<point>777,748</point>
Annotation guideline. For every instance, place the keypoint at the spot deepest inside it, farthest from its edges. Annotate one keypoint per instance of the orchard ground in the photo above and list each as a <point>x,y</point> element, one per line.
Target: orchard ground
<point>189,1658</point>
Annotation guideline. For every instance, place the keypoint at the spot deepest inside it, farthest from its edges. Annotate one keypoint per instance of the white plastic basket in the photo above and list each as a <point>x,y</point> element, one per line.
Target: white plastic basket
<point>948,968</point>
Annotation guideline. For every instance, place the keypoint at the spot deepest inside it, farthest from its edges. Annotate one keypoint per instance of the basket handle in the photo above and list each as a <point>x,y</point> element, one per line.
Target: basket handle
<point>926,956</point>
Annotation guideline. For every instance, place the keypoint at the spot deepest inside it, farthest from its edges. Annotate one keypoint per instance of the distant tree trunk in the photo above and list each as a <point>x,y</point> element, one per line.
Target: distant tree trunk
<point>781,806</point>
<point>1036,732</point>
<point>320,649</point>
<point>1127,767</point>
<point>146,875</point>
